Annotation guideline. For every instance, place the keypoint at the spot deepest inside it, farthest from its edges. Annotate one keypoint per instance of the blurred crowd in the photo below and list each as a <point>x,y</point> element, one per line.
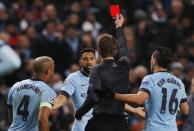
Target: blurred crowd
<point>60,29</point>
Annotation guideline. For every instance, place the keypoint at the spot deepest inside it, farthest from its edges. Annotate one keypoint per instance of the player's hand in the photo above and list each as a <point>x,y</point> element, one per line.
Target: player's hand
<point>119,21</point>
<point>105,93</point>
<point>140,111</point>
<point>78,115</point>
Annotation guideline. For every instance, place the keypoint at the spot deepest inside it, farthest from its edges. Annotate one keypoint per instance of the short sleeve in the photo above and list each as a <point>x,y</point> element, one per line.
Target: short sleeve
<point>184,95</point>
<point>48,97</point>
<point>67,88</point>
<point>10,95</point>
<point>9,98</point>
<point>147,85</point>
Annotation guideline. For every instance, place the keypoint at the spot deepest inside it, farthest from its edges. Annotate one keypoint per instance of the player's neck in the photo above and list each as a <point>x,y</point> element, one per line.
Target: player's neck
<point>85,72</point>
<point>38,77</point>
<point>159,69</point>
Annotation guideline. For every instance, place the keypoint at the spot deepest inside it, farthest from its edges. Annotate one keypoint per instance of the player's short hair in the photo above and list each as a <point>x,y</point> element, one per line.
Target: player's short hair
<point>107,45</point>
<point>163,56</point>
<point>86,50</point>
<point>42,64</point>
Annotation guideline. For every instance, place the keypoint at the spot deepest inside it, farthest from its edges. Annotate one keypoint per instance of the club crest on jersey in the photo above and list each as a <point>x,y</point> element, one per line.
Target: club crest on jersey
<point>64,83</point>
<point>52,99</point>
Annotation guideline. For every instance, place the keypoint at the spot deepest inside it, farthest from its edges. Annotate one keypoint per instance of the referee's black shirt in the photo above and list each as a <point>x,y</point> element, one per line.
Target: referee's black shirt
<point>112,74</point>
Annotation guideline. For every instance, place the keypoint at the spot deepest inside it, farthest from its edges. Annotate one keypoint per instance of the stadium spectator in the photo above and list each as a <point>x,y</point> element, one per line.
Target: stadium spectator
<point>9,60</point>
<point>29,17</point>
<point>189,124</point>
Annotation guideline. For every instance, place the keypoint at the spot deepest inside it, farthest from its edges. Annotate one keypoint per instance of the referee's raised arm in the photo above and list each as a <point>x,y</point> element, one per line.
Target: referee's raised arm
<point>111,73</point>
<point>122,42</point>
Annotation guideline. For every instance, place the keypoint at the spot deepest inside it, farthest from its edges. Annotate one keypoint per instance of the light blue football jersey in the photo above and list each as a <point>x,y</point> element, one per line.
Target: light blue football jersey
<point>26,97</point>
<point>166,92</point>
<point>76,85</point>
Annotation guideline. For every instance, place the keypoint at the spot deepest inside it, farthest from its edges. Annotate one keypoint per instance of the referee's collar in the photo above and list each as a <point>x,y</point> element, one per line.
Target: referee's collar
<point>108,60</point>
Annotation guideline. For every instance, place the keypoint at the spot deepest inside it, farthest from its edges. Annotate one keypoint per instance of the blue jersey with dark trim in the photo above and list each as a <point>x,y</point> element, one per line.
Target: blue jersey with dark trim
<point>76,87</point>
<point>26,97</point>
<point>166,92</point>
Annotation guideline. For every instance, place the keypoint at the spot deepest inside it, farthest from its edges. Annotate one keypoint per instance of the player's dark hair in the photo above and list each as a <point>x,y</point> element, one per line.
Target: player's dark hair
<point>163,56</point>
<point>107,45</point>
<point>86,50</point>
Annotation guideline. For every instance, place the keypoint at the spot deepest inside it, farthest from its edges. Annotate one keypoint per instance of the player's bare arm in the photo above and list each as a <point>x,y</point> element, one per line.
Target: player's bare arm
<point>138,98</point>
<point>184,107</point>
<point>43,118</point>
<point>59,102</point>
<point>10,115</point>
<point>138,111</point>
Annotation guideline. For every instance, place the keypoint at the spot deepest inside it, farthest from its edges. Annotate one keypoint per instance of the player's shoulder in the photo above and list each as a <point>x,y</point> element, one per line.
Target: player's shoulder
<point>19,83</point>
<point>73,76</point>
<point>25,81</point>
<point>177,79</point>
<point>11,90</point>
<point>43,86</point>
<point>2,43</point>
<point>149,77</point>
<point>47,88</point>
<point>159,75</point>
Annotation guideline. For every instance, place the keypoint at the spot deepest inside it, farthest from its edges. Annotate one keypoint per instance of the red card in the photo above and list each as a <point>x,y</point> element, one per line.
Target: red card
<point>114,10</point>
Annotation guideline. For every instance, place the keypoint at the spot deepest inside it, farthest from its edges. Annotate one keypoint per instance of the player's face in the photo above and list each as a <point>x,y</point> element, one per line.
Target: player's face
<point>88,60</point>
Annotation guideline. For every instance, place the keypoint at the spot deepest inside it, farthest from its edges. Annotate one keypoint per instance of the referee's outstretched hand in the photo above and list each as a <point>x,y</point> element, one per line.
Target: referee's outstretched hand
<point>105,93</point>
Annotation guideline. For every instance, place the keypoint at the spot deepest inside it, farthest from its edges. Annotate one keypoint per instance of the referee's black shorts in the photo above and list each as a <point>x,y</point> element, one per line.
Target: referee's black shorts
<point>106,122</point>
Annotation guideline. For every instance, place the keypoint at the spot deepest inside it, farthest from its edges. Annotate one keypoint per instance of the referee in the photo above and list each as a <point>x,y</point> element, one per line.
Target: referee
<point>112,73</point>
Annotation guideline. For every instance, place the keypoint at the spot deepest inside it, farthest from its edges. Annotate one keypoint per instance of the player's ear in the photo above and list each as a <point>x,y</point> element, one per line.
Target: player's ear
<point>80,62</point>
<point>47,72</point>
<point>154,61</point>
